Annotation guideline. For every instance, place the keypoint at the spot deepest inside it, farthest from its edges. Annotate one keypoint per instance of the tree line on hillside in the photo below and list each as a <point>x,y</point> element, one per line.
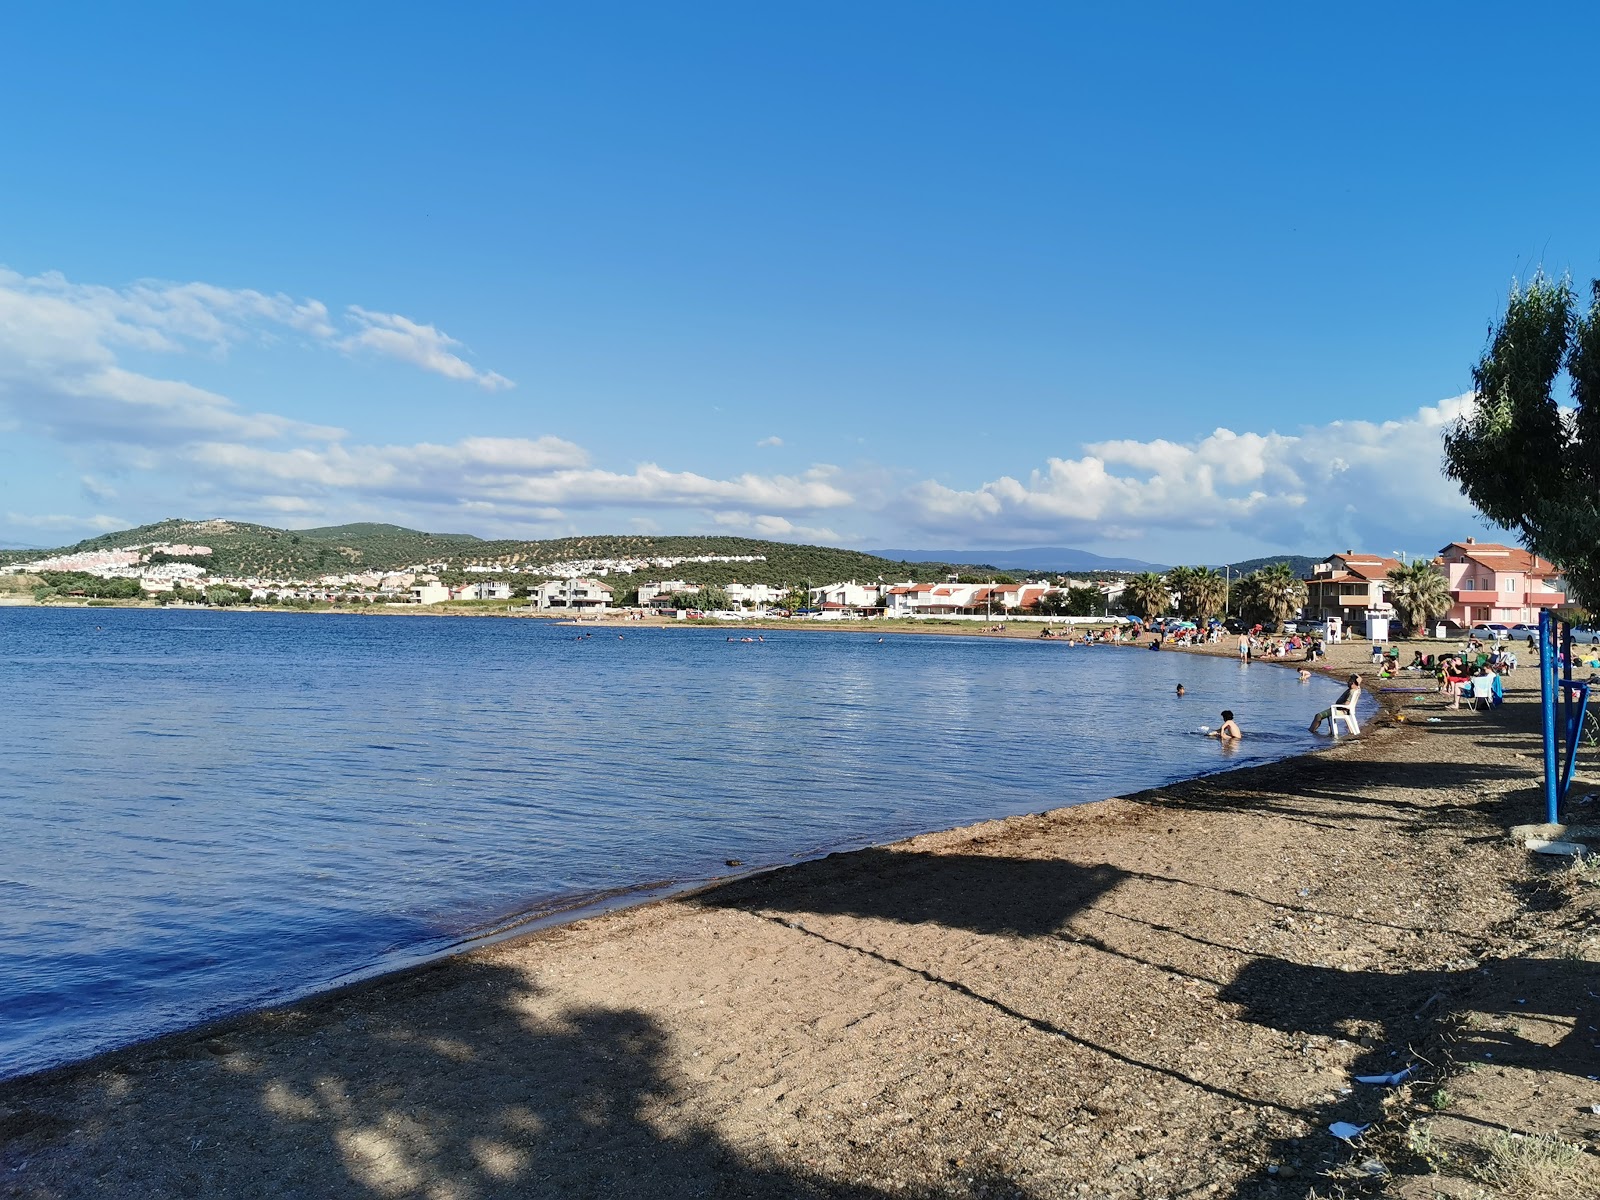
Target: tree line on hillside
<point>242,548</point>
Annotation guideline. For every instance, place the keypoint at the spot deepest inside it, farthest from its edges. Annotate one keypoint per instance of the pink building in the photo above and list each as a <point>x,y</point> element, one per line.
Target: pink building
<point>1490,582</point>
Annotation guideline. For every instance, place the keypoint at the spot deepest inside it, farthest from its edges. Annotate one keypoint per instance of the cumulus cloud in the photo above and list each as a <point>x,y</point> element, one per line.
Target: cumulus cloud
<point>1356,482</point>
<point>68,359</point>
<point>770,525</point>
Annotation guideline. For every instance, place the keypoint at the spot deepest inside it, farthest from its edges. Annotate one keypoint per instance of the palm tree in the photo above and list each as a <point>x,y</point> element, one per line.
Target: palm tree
<point>1181,581</point>
<point>1148,594</point>
<point>1208,593</point>
<point>1274,592</point>
<point>1419,592</point>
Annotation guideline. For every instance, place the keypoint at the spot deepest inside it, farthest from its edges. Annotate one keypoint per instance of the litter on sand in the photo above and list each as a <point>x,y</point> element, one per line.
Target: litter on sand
<point>1391,1080</point>
<point>1345,1131</point>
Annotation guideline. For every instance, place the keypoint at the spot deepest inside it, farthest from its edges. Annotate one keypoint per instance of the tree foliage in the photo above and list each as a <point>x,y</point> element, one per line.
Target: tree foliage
<point>1207,594</point>
<point>1202,591</point>
<point>1148,595</point>
<point>1271,594</point>
<point>1419,592</point>
<point>1524,461</point>
<point>80,583</point>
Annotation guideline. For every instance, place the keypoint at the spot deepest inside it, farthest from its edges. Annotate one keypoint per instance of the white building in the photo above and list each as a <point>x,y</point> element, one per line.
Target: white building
<point>651,593</point>
<point>430,593</point>
<point>755,595</point>
<point>573,593</point>
<point>846,596</point>
<point>482,591</point>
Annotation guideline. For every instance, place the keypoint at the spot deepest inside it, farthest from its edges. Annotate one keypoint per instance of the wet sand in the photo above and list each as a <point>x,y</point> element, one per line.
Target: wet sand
<point>1159,995</point>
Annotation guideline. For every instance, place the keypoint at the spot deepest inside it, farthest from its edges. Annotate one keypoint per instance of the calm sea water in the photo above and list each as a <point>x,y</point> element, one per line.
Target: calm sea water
<point>205,812</point>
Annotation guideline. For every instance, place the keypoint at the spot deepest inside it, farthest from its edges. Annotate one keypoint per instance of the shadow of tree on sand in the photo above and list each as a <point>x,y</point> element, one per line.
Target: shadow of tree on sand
<point>1309,999</point>
<point>981,893</point>
<point>1351,791</point>
<point>462,1084</point>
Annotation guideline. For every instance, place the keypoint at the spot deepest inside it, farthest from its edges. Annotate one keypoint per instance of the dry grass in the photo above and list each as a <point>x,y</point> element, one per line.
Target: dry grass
<point>1539,1167</point>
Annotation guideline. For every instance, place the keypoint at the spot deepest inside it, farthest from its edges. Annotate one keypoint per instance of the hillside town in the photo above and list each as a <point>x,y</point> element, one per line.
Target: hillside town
<point>1485,583</point>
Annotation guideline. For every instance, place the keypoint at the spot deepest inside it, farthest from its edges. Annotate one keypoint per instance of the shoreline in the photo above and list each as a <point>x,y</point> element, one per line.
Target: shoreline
<point>515,924</point>
<point>1148,994</point>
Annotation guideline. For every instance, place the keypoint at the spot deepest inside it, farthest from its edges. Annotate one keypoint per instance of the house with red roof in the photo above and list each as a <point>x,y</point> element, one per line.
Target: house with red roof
<point>1347,585</point>
<point>1503,584</point>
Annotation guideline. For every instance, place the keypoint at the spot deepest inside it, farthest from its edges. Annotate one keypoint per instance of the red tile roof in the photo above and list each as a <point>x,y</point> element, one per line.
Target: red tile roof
<point>1502,558</point>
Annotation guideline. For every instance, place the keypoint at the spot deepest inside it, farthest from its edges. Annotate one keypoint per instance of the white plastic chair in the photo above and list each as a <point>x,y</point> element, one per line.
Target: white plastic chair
<point>1482,691</point>
<point>1345,713</point>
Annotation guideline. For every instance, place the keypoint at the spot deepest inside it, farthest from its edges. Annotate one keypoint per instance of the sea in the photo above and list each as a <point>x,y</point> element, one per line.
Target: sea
<point>207,812</point>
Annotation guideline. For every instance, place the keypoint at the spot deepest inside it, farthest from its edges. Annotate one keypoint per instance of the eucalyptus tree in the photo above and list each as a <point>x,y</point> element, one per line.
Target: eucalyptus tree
<point>1523,460</point>
<point>1148,594</point>
<point>1419,592</point>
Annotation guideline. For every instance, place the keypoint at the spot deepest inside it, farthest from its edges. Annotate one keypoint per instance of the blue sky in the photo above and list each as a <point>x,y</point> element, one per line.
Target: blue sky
<point>1182,284</point>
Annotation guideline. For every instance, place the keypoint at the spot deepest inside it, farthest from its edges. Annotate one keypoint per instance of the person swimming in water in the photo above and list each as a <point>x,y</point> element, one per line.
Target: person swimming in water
<point>1180,690</point>
<point>1230,730</point>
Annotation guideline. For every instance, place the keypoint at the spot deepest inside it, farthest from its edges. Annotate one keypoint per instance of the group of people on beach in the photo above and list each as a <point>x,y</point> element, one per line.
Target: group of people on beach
<point>1257,645</point>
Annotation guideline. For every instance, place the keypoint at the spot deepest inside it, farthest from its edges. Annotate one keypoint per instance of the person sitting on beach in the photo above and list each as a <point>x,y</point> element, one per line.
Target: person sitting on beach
<point>1347,698</point>
<point>1230,730</point>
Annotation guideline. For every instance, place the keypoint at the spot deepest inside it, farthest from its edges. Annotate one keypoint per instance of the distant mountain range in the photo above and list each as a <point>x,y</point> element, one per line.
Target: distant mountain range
<point>1058,559</point>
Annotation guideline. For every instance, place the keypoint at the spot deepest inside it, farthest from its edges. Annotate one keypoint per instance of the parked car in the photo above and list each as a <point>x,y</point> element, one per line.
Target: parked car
<point>1585,635</point>
<point>1494,631</point>
<point>1522,631</point>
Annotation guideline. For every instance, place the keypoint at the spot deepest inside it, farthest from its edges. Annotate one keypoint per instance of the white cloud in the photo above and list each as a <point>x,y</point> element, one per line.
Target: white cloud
<point>174,443</point>
<point>169,444</point>
<point>770,525</point>
<point>1348,482</point>
<point>99,523</point>
<point>421,345</point>
<point>60,342</point>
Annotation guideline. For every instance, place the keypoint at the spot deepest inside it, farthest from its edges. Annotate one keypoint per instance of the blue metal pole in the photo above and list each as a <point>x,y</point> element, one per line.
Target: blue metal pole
<point>1547,704</point>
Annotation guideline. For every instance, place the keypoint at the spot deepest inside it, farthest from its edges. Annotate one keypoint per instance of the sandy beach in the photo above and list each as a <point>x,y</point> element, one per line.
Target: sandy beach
<point>1165,994</point>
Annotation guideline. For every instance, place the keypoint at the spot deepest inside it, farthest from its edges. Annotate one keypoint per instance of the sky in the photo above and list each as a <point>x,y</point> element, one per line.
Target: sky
<point>1187,283</point>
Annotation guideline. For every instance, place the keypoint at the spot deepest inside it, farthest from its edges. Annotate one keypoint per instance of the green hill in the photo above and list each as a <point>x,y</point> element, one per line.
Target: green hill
<point>1300,564</point>
<point>243,548</point>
